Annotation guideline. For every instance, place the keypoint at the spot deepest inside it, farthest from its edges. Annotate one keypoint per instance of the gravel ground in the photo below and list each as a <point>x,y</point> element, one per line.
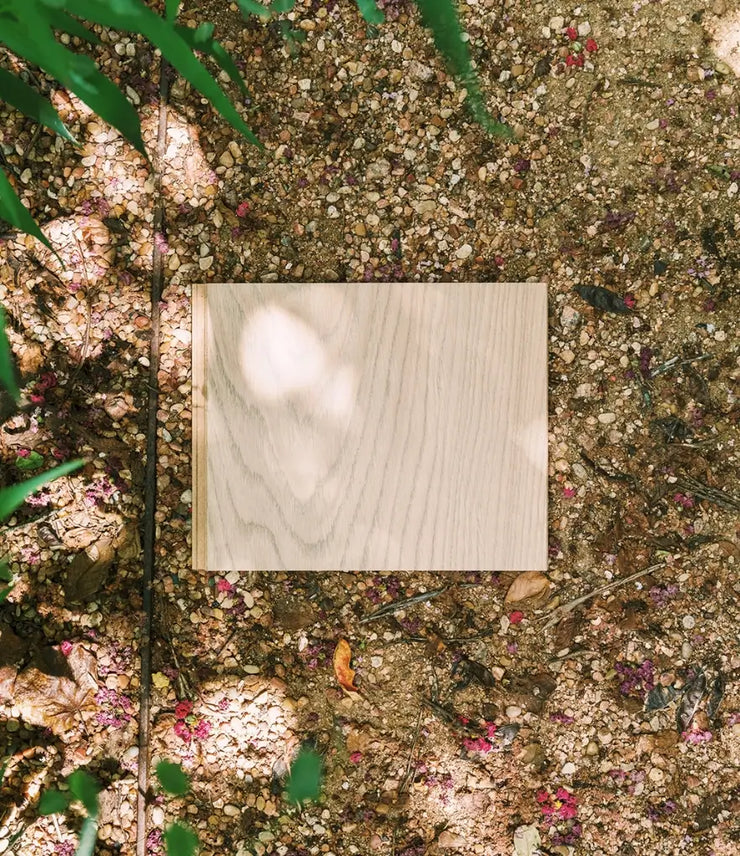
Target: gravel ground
<point>475,716</point>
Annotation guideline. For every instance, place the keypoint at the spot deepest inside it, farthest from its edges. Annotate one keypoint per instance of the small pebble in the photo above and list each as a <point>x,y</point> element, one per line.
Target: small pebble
<point>464,251</point>
<point>688,622</point>
<point>569,769</point>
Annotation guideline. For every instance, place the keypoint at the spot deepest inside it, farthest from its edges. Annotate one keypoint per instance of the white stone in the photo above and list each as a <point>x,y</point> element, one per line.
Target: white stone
<point>557,23</point>
<point>464,252</point>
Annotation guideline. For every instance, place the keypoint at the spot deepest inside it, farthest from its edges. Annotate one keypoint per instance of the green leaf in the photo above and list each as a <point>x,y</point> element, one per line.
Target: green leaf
<point>180,841</point>
<point>25,99</point>
<point>172,778</point>
<point>84,788</point>
<point>6,575</point>
<point>60,20</point>
<point>32,461</point>
<point>142,20</point>
<point>252,7</point>
<point>281,5</point>
<point>15,212</point>
<point>217,51</point>
<point>7,367</point>
<point>173,7</point>
<point>440,16</point>
<point>370,11</point>
<point>88,837</point>
<point>13,497</point>
<point>304,779</point>
<point>53,802</point>
<point>34,40</point>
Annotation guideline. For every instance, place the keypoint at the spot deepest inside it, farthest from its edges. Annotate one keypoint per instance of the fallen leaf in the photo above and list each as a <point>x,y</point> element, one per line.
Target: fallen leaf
<point>716,695</point>
<point>57,702</point>
<point>88,572</point>
<point>160,680</point>
<point>689,704</point>
<point>602,298</point>
<point>530,584</point>
<point>344,674</point>
<point>526,840</point>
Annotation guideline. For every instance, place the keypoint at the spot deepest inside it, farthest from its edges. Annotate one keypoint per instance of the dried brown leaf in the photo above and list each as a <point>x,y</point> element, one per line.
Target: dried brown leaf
<point>344,674</point>
<point>57,702</point>
<point>530,584</point>
<point>88,572</point>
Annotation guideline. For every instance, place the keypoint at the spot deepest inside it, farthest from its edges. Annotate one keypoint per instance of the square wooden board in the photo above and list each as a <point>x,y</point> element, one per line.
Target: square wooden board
<point>370,426</point>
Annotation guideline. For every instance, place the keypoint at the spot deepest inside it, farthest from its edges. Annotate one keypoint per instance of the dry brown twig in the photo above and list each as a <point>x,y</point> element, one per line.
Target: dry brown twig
<point>563,610</point>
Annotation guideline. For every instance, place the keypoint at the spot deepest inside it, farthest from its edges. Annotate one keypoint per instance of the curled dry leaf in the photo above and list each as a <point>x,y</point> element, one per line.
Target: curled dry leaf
<point>690,701</point>
<point>530,584</point>
<point>344,674</point>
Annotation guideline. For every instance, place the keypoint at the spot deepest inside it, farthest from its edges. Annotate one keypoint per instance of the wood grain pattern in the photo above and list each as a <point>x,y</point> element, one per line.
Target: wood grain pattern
<point>371,426</point>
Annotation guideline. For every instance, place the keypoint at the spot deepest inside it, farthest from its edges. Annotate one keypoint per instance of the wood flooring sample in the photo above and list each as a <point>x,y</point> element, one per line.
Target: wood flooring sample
<point>370,426</point>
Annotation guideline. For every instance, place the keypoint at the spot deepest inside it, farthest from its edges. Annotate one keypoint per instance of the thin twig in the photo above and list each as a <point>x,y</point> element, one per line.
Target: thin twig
<point>558,613</point>
<point>688,484</point>
<point>407,775</point>
<point>674,363</point>
<point>390,608</point>
<point>150,479</point>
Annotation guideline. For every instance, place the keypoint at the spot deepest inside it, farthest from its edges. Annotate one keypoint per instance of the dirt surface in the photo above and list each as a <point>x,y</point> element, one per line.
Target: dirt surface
<point>611,726</point>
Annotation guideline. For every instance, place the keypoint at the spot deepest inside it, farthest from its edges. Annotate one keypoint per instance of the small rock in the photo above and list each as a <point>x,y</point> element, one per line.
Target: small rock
<point>569,769</point>
<point>556,23</point>
<point>517,70</point>
<point>592,748</point>
<point>512,711</point>
<point>569,318</point>
<point>464,252</point>
<point>420,71</point>
<point>304,84</point>
<point>231,810</point>
<point>449,840</point>
<point>607,418</point>
<point>226,159</point>
<point>689,622</point>
<point>378,169</point>
<point>584,28</point>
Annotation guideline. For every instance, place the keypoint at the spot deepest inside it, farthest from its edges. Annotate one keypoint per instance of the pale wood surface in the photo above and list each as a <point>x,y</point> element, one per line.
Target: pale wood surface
<point>370,426</point>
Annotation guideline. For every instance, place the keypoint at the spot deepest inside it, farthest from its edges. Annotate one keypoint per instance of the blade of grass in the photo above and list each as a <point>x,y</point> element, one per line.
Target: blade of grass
<point>25,99</point>
<point>15,212</point>
<point>7,368</point>
<point>65,23</point>
<point>214,49</point>
<point>252,7</point>
<point>172,8</point>
<point>12,497</point>
<point>370,11</point>
<point>88,837</point>
<point>441,18</point>
<point>134,16</point>
<point>33,40</point>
